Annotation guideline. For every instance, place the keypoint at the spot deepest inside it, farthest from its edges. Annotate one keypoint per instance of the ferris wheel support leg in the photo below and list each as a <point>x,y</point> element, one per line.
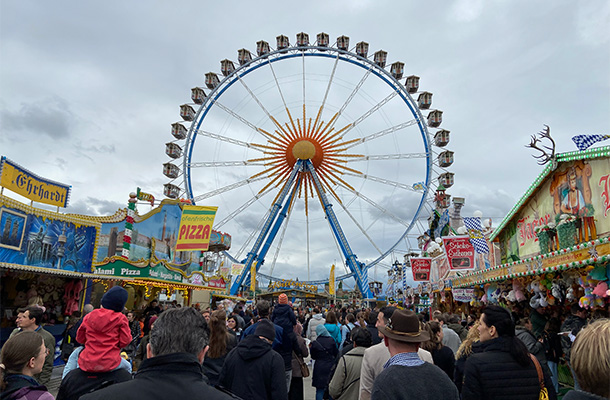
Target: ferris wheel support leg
<point>354,265</point>
<point>265,230</point>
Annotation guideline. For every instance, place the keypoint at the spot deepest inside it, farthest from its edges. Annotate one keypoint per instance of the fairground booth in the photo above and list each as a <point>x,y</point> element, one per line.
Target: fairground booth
<point>63,261</point>
<point>552,249</point>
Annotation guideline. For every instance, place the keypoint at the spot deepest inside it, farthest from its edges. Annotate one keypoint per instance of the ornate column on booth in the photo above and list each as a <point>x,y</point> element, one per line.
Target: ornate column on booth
<point>131,213</point>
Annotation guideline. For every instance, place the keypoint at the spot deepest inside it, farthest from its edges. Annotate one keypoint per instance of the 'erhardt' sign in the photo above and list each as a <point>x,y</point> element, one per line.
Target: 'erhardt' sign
<point>23,182</point>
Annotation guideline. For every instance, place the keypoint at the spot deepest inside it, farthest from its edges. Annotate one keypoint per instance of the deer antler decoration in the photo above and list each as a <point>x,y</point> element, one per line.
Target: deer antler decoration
<point>544,157</point>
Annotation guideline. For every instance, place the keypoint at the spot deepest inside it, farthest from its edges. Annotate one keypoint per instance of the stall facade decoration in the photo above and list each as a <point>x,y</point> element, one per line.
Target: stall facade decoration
<point>561,223</point>
<point>152,258</point>
<point>570,205</point>
<point>44,239</point>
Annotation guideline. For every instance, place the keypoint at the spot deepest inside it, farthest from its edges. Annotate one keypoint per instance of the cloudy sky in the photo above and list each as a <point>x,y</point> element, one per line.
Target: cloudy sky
<point>88,92</point>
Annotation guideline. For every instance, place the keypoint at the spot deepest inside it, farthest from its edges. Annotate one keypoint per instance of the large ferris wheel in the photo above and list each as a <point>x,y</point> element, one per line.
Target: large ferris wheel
<point>313,153</point>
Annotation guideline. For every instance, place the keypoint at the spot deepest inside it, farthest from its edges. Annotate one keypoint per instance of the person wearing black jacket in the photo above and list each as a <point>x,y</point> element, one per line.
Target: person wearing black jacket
<point>253,370</point>
<point>501,367</point>
<point>177,347</point>
<point>442,355</point>
<point>323,351</point>
<point>569,329</point>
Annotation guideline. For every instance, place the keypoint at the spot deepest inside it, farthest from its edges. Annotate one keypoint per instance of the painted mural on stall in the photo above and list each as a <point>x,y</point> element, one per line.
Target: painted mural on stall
<point>154,234</point>
<point>571,206</point>
<point>44,241</point>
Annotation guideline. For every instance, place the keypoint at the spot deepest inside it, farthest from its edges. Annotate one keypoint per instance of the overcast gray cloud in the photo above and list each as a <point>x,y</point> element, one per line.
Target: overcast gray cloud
<point>88,92</point>
<point>50,116</point>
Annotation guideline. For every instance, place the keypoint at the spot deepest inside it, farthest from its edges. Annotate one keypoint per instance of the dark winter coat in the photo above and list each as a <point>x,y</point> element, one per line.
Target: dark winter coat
<point>169,376</point>
<point>572,324</point>
<point>78,382</point>
<point>491,373</point>
<point>374,334</point>
<point>254,371</point>
<point>445,360</point>
<point>552,346</point>
<point>24,387</point>
<point>284,317</point>
<point>458,376</point>
<point>324,350</point>
<point>213,366</point>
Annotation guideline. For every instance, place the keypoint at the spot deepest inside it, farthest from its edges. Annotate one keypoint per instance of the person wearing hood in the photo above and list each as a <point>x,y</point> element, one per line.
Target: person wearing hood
<point>523,331</point>
<point>253,370</point>
<point>453,323</point>
<point>333,327</point>
<point>314,321</point>
<point>323,350</point>
<point>104,332</point>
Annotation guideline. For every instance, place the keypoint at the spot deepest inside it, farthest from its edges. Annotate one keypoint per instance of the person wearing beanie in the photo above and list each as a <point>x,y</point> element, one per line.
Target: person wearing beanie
<point>284,316</point>
<point>252,370</point>
<point>104,332</point>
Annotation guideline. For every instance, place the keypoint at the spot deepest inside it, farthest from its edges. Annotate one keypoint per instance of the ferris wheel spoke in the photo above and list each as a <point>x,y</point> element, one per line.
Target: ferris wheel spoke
<point>241,119</point>
<point>383,181</point>
<point>383,132</point>
<point>240,209</point>
<point>280,241</point>
<point>303,62</point>
<point>387,157</point>
<point>370,112</point>
<point>227,188</point>
<point>355,91</point>
<point>260,104</point>
<point>364,232</point>
<point>377,206</point>
<point>227,139</point>
<point>252,235</point>
<point>216,164</point>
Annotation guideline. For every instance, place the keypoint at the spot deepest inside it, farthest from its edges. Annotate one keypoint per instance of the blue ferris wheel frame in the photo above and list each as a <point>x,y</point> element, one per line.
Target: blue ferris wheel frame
<point>327,52</point>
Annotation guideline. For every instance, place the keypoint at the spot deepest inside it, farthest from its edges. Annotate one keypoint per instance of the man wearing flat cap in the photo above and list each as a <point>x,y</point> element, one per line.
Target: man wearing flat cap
<point>405,375</point>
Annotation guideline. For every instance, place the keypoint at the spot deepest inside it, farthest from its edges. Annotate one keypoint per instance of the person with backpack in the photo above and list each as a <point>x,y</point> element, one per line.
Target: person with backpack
<point>346,329</point>
<point>345,382</point>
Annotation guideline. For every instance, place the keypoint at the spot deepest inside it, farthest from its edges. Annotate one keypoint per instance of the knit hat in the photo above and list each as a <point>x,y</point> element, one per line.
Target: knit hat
<point>115,299</point>
<point>266,329</point>
<point>151,321</point>
<point>283,299</point>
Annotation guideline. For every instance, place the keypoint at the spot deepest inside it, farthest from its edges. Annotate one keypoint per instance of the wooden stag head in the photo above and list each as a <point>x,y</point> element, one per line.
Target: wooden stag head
<point>544,157</point>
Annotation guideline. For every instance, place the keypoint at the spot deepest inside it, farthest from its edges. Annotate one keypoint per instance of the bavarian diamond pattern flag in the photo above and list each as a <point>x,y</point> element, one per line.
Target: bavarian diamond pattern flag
<point>583,142</point>
<point>475,231</point>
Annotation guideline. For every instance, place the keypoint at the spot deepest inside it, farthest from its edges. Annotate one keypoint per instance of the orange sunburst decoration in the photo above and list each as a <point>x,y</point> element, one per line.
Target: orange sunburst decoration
<point>306,140</point>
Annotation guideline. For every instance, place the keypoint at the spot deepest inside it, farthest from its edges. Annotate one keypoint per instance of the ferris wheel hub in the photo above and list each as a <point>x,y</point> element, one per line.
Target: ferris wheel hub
<point>304,150</point>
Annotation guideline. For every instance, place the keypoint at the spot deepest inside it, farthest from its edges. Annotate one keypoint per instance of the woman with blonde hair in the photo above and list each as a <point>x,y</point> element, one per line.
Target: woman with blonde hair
<point>22,357</point>
<point>590,359</point>
<point>464,351</point>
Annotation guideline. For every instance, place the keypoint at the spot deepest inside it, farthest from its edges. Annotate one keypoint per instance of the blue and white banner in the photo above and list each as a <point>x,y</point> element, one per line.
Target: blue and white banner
<point>475,231</point>
<point>583,142</point>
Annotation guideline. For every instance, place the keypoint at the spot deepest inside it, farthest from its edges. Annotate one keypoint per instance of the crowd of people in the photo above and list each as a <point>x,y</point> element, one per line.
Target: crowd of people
<point>262,352</point>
